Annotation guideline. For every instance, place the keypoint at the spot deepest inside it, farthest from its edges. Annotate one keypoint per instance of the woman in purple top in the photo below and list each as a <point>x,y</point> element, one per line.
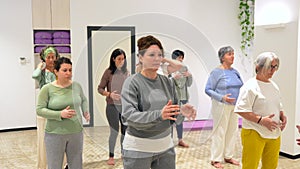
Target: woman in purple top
<point>223,87</point>
<point>110,86</point>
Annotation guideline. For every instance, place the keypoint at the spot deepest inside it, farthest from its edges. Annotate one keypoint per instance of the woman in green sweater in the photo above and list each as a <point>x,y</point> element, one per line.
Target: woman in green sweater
<point>61,103</point>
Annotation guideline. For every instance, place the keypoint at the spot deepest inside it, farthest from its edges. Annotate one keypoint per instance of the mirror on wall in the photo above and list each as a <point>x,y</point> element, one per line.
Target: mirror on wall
<point>102,40</point>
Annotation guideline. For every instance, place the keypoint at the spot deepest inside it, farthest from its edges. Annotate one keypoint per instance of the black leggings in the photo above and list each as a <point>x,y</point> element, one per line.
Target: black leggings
<point>113,115</point>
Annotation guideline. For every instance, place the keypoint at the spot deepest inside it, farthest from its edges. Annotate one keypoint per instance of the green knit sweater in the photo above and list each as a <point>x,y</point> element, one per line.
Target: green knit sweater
<point>52,100</point>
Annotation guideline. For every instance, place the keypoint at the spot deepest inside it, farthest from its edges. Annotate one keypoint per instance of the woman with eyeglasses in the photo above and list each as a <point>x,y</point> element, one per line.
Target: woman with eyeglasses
<point>259,103</point>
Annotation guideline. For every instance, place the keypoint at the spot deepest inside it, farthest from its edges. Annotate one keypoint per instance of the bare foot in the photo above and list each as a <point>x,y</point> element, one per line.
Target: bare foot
<point>183,144</point>
<point>111,161</point>
<point>217,164</point>
<point>232,161</point>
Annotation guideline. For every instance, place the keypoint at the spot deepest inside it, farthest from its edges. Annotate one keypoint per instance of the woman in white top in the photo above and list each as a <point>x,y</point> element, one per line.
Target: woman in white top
<point>259,103</point>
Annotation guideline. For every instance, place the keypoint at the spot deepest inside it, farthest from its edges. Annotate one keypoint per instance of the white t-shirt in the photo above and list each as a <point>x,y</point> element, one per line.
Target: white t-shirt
<point>261,98</point>
<point>147,145</point>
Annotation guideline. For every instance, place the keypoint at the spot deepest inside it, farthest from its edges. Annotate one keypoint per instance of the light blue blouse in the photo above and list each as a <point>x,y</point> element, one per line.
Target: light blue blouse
<point>222,82</point>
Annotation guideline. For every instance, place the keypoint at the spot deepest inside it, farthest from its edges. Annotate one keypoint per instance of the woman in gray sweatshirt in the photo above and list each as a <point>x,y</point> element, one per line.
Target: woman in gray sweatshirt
<point>149,108</point>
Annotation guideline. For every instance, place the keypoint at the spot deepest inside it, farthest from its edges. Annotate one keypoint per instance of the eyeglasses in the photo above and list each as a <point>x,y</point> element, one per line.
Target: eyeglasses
<point>273,67</point>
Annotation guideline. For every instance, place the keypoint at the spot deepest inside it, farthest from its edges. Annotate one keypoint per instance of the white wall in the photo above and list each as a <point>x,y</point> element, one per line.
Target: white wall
<point>284,42</point>
<point>16,87</point>
<point>190,25</point>
<point>197,29</point>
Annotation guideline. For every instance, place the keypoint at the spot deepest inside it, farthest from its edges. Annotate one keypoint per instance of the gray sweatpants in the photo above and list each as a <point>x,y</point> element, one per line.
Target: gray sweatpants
<point>142,160</point>
<point>58,144</point>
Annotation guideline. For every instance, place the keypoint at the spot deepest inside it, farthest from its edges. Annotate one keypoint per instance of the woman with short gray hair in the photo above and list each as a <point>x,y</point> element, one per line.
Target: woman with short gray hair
<point>223,87</point>
<point>259,103</point>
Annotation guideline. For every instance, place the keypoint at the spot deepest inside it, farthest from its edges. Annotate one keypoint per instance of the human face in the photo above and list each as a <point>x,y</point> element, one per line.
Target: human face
<point>119,61</point>
<point>228,58</point>
<point>179,58</point>
<point>152,58</point>
<point>49,59</point>
<point>272,69</point>
<point>65,72</point>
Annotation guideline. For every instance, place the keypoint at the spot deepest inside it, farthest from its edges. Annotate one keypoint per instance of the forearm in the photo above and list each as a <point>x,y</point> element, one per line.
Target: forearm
<point>251,116</point>
<point>84,105</point>
<point>189,80</point>
<point>174,65</point>
<point>214,95</point>
<point>49,114</point>
<point>140,120</point>
<point>102,91</point>
<point>36,73</point>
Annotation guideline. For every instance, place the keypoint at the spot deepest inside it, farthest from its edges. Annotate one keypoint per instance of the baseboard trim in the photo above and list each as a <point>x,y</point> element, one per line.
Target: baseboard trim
<point>289,156</point>
<point>18,129</point>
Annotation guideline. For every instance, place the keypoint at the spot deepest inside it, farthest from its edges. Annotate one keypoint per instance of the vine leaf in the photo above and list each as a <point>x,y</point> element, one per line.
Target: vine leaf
<point>246,17</point>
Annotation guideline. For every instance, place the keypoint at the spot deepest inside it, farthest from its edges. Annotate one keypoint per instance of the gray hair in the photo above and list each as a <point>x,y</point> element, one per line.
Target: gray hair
<point>264,60</point>
<point>222,51</point>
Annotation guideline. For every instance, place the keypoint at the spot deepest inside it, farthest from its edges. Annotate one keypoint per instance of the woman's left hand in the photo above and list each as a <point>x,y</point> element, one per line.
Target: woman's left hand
<point>87,116</point>
<point>115,96</point>
<point>188,111</point>
<point>283,120</point>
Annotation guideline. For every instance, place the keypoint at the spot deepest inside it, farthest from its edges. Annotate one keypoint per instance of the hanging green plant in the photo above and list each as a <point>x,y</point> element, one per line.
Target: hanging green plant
<point>246,17</point>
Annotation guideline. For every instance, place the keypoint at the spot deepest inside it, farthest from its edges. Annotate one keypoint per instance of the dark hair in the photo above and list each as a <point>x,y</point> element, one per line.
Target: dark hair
<point>177,53</point>
<point>145,42</point>
<point>43,51</point>
<point>60,61</point>
<point>112,64</point>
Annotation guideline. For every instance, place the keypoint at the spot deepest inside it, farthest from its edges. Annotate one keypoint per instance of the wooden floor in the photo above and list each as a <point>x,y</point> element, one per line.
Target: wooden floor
<point>18,151</point>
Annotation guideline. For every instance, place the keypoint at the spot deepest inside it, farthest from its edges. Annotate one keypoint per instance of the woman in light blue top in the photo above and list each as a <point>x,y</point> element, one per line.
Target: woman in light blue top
<point>223,87</point>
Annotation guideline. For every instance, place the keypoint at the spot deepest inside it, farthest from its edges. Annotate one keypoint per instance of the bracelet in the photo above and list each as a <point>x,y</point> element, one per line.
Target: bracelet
<point>259,119</point>
<point>109,95</point>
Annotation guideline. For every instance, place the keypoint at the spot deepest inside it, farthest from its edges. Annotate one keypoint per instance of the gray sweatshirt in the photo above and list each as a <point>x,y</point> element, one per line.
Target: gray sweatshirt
<point>142,102</point>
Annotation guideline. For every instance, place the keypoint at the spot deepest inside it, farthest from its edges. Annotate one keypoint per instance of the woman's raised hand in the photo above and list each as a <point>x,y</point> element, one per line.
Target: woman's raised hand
<point>188,111</point>
<point>169,111</point>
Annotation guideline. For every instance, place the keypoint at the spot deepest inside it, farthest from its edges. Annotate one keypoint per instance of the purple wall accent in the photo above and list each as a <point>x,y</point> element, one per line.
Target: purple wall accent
<point>202,124</point>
